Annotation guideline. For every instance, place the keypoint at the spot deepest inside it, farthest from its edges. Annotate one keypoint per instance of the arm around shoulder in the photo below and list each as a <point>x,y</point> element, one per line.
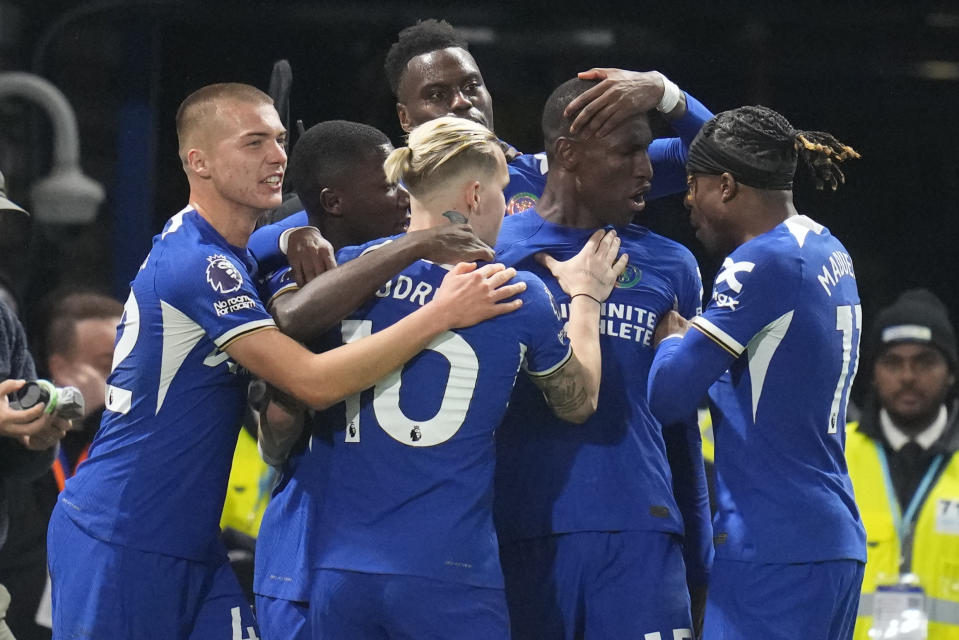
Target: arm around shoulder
<point>466,296</point>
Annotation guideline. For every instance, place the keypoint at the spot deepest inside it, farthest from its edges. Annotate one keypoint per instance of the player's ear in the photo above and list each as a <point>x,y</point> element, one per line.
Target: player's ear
<point>405,123</point>
<point>472,193</point>
<point>728,186</point>
<point>196,162</point>
<point>330,201</point>
<point>566,153</point>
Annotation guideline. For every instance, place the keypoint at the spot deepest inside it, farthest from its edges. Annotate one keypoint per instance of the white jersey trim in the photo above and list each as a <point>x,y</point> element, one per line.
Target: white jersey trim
<point>374,247</point>
<point>118,400</point>
<point>761,350</point>
<point>180,335</point>
<point>718,336</point>
<point>800,226</point>
<point>236,332</point>
<point>287,288</point>
<point>176,221</point>
<point>556,367</point>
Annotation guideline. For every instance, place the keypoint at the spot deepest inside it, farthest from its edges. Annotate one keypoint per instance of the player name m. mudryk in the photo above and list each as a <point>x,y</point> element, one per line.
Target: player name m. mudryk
<point>403,288</point>
<point>839,265</point>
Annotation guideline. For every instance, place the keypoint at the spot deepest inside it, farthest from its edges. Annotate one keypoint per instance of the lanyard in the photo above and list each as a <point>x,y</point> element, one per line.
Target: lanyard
<point>903,522</point>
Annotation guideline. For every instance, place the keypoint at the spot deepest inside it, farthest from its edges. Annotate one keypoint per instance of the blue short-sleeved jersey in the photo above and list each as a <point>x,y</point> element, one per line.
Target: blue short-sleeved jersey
<point>265,242</point>
<point>411,479</point>
<point>158,468</point>
<point>282,561</point>
<point>611,473</point>
<point>786,305</point>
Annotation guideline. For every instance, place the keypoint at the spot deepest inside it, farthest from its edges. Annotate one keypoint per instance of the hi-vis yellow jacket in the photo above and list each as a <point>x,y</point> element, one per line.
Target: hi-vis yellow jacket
<point>934,554</point>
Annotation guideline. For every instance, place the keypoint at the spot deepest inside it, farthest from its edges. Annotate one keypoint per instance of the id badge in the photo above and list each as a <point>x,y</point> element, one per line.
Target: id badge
<point>899,613</point>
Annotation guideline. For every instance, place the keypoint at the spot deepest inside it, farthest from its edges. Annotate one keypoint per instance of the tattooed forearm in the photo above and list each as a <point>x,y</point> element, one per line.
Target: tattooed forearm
<point>565,393</point>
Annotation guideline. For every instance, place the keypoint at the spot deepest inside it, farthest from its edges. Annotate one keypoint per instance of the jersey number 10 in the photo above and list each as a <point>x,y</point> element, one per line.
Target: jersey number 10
<point>457,393</point>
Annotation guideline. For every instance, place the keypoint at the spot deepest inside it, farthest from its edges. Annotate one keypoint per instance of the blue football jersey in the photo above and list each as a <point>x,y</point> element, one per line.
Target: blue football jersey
<point>786,305</point>
<point>158,468</point>
<point>283,547</point>
<point>264,243</point>
<point>273,284</point>
<point>611,473</point>
<point>527,172</point>
<point>282,561</point>
<point>410,488</point>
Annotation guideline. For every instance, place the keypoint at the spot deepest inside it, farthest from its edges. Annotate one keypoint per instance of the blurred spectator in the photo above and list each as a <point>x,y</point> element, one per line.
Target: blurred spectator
<point>905,475</point>
<point>29,437</point>
<point>15,227</point>
<point>78,340</point>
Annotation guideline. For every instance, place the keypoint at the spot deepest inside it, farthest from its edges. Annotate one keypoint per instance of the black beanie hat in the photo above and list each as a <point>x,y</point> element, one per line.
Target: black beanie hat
<point>916,316</point>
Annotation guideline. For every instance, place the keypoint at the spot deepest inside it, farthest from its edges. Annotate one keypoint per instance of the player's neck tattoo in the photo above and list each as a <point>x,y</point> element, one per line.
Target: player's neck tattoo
<point>455,217</point>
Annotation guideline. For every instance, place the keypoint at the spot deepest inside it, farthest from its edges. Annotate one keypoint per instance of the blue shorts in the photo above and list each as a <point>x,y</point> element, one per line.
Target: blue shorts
<point>347,605</point>
<point>629,584</point>
<point>281,619</point>
<point>812,601</point>
<point>101,590</point>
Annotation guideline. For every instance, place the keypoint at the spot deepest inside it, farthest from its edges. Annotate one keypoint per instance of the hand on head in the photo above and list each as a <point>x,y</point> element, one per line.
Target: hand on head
<point>618,96</point>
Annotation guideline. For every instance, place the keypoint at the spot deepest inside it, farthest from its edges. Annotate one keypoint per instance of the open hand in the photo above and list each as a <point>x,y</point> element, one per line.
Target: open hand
<point>451,243</point>
<point>669,324</point>
<point>309,254</point>
<point>469,295</point>
<point>592,271</point>
<point>619,96</point>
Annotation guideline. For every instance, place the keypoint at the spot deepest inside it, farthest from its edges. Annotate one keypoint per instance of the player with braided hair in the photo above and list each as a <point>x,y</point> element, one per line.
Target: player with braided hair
<point>768,136</point>
<point>777,348</point>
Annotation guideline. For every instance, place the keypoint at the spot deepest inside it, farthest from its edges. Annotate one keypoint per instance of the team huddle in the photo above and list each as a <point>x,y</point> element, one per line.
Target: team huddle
<point>491,430</point>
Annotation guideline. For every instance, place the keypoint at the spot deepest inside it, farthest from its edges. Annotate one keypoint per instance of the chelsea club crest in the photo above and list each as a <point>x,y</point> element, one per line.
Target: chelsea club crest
<point>629,277</point>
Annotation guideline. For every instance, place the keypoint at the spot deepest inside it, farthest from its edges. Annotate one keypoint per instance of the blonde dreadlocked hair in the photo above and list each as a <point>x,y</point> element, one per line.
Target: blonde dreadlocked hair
<point>822,152</point>
<point>760,148</point>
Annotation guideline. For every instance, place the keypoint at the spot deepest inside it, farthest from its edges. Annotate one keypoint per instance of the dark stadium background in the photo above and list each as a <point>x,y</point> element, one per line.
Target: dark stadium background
<point>884,77</point>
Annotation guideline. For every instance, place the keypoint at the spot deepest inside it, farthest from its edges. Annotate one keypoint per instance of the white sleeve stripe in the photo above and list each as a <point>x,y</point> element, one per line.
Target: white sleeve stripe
<point>556,367</point>
<point>287,288</point>
<point>375,247</point>
<point>236,332</point>
<point>718,336</point>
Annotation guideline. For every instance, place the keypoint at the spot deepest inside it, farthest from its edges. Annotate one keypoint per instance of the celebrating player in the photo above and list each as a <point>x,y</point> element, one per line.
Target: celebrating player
<point>337,167</point>
<point>592,536</point>
<point>777,348</point>
<point>433,74</point>
<point>133,542</point>
<point>407,548</point>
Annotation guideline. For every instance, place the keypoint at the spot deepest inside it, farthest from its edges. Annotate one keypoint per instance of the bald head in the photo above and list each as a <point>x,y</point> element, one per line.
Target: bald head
<point>200,115</point>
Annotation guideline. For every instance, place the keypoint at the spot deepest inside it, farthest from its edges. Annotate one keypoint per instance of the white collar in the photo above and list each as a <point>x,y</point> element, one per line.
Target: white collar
<point>925,439</point>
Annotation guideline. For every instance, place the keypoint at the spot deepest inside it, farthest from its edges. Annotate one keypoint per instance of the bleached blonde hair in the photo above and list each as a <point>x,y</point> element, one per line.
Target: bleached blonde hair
<point>439,149</point>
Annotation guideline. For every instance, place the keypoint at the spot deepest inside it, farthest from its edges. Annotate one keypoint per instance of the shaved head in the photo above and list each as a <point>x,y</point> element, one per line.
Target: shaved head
<point>200,114</point>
